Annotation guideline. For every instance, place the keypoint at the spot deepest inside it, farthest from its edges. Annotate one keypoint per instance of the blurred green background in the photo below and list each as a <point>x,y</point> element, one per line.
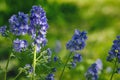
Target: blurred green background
<point>100,18</point>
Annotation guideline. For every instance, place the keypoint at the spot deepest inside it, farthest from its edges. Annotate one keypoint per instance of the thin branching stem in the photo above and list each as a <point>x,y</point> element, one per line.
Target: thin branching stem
<point>65,65</point>
<point>114,69</point>
<point>18,75</point>
<point>6,67</point>
<point>41,54</point>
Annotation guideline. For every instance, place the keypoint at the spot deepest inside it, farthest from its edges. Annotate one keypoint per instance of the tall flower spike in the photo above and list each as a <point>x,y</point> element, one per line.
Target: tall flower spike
<point>38,19</point>
<point>77,42</point>
<point>114,56</point>
<point>38,26</point>
<point>19,24</point>
<point>115,50</point>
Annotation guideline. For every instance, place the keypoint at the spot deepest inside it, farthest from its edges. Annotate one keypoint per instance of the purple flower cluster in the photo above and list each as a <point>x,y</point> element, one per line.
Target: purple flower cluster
<point>19,24</point>
<point>76,58</point>
<point>38,26</point>
<point>77,42</point>
<point>50,77</point>
<point>114,53</point>
<point>3,30</point>
<point>20,45</point>
<point>92,73</point>
<point>38,18</point>
<point>29,69</point>
<point>34,24</point>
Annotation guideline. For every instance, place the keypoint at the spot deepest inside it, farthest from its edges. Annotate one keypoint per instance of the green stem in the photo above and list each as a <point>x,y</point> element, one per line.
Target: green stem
<point>6,67</point>
<point>18,74</point>
<point>65,66</point>
<point>34,63</point>
<point>41,54</point>
<point>114,69</point>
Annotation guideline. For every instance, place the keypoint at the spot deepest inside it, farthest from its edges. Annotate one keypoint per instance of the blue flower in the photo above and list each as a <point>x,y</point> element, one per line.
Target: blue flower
<point>115,50</point>
<point>27,66</point>
<point>77,57</point>
<point>99,64</point>
<point>3,30</point>
<point>50,77</point>
<point>19,24</point>
<point>19,45</point>
<point>73,64</point>
<point>38,17</point>
<point>40,41</point>
<point>92,73</point>
<point>49,52</point>
<point>55,58</point>
<point>77,42</point>
<point>29,69</point>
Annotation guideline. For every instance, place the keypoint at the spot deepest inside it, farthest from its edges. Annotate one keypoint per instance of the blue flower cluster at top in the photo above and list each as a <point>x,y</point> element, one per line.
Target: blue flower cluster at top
<point>115,50</point>
<point>77,42</point>
<point>34,24</point>
<point>38,26</point>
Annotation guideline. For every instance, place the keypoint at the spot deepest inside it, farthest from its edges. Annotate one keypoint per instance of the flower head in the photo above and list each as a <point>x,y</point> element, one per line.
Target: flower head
<point>38,17</point>
<point>3,30</point>
<point>29,69</point>
<point>99,64</point>
<point>55,58</point>
<point>38,20</point>
<point>92,72</point>
<point>77,42</point>
<point>73,64</point>
<point>19,45</point>
<point>77,57</point>
<point>19,24</point>
<point>50,77</point>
